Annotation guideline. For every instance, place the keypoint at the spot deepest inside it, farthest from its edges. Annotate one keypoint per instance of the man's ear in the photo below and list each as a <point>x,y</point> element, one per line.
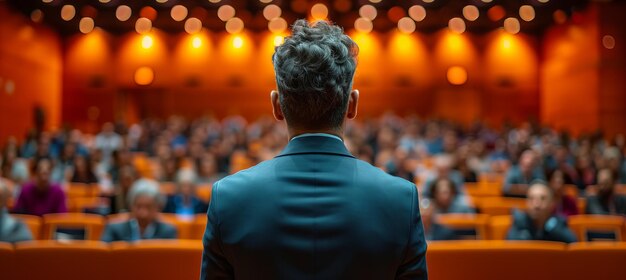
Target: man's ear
<point>353,104</point>
<point>278,113</point>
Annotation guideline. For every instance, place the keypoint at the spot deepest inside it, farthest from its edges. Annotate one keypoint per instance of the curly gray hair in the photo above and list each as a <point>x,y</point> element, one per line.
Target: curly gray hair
<point>146,187</point>
<point>314,73</point>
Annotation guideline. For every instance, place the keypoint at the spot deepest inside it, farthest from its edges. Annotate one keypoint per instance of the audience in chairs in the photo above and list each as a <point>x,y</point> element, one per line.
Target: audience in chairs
<point>11,230</point>
<point>184,202</point>
<point>519,176</point>
<point>41,196</point>
<point>565,205</point>
<point>145,202</point>
<point>605,201</point>
<point>119,196</point>
<point>538,222</point>
<point>443,199</point>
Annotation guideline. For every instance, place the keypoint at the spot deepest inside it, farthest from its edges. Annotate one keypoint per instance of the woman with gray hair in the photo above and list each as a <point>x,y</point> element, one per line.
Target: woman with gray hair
<point>145,202</point>
<point>11,230</point>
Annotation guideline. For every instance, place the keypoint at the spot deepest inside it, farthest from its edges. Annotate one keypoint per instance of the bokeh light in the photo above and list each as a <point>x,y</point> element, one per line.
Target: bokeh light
<point>456,75</point>
<point>226,12</point>
<point>456,25</point>
<point>68,12</point>
<point>271,12</point>
<point>608,42</point>
<point>179,12</point>
<point>143,25</point>
<point>144,76</point>
<point>319,11</point>
<point>86,25</point>
<point>417,12</point>
<point>527,12</point>
<point>277,25</point>
<point>496,13</point>
<point>234,25</point>
<point>511,25</point>
<point>363,25</point>
<point>406,25</point>
<point>470,12</point>
<point>123,13</point>
<point>368,12</point>
<point>36,15</point>
<point>147,42</point>
<point>193,25</point>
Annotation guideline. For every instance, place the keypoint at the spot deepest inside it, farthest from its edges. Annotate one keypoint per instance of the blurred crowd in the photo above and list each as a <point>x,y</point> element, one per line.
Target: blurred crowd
<point>439,156</point>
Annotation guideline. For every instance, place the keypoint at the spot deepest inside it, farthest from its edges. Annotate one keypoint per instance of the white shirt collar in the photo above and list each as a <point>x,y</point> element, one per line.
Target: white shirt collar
<point>317,134</point>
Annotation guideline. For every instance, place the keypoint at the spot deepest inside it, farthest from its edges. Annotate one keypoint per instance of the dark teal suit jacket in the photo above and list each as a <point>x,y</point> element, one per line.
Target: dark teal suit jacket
<point>314,212</point>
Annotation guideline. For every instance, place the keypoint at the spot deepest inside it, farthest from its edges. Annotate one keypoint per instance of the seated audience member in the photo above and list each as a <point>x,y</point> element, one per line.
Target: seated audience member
<point>586,171</point>
<point>519,176</point>
<point>83,173</point>
<point>185,202</point>
<point>12,167</point>
<point>443,170</point>
<point>146,202</point>
<point>11,230</point>
<point>443,199</point>
<point>119,197</point>
<point>41,196</point>
<point>605,201</point>
<point>538,222</point>
<point>565,205</point>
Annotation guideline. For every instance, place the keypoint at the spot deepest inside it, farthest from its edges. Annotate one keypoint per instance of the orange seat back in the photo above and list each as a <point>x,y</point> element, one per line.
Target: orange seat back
<point>582,224</point>
<point>198,227</point>
<point>92,224</point>
<point>499,226</point>
<point>81,190</point>
<point>183,226</point>
<point>204,192</point>
<point>33,222</point>
<point>7,261</point>
<point>476,222</point>
<point>77,260</point>
<point>597,260</point>
<point>157,259</point>
<point>495,206</point>
<point>479,260</point>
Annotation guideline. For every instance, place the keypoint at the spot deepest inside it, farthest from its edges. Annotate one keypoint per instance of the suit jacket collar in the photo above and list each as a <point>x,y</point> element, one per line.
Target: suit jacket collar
<point>315,145</point>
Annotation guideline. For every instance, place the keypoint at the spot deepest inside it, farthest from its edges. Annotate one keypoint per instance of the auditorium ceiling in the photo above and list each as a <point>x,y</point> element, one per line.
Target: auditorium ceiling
<point>479,16</point>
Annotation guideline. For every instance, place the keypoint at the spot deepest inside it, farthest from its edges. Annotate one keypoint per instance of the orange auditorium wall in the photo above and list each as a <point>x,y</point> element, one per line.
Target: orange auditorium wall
<point>221,74</point>
<point>582,80</point>
<point>30,74</point>
<point>569,75</point>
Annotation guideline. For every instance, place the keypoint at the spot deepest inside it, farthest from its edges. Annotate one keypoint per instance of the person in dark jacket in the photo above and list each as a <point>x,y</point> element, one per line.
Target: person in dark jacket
<point>603,200</point>
<point>314,211</point>
<point>146,202</point>
<point>538,222</point>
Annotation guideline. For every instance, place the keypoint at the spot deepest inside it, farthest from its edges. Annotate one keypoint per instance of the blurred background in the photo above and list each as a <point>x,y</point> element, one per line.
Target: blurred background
<point>475,101</point>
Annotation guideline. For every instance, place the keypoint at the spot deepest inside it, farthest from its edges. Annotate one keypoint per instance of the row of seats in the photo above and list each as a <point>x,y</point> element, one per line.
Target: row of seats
<point>180,259</point>
<point>484,226</point>
<point>488,227</point>
<point>44,228</point>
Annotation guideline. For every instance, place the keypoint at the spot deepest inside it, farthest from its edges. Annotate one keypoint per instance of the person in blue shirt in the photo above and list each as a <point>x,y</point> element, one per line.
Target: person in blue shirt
<point>185,202</point>
<point>11,229</point>
<point>519,176</point>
